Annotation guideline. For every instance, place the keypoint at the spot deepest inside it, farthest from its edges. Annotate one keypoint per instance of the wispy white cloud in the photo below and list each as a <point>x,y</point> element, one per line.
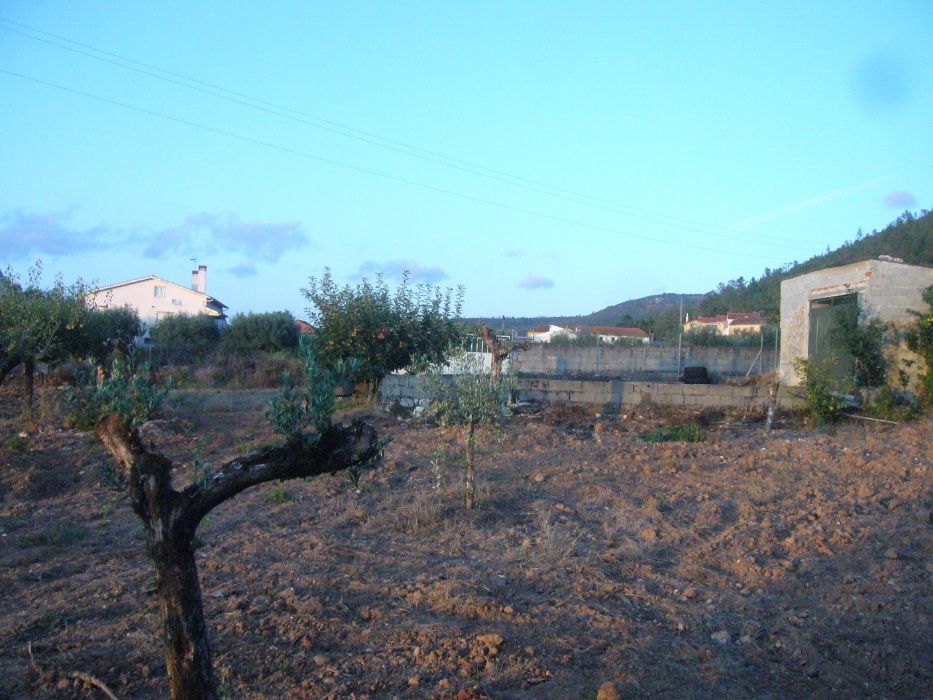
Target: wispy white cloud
<point>206,233</point>
<point>513,253</point>
<point>536,282</point>
<point>395,269</point>
<point>25,234</point>
<point>807,203</point>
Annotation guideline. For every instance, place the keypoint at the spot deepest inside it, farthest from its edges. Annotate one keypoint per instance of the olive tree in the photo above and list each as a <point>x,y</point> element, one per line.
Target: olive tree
<point>273,331</point>
<point>171,516</point>
<point>469,398</point>
<point>384,329</point>
<point>35,323</point>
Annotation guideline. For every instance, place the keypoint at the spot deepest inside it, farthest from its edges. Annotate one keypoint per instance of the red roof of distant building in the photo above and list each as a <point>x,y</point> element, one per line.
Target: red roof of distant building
<point>708,319</point>
<point>540,328</point>
<point>745,317</point>
<point>304,326</point>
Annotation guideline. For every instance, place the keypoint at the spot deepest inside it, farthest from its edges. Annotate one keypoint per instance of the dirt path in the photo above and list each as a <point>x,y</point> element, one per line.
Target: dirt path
<point>786,564</point>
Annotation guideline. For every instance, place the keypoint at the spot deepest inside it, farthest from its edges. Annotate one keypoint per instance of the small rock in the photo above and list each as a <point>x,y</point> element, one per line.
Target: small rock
<point>891,553</point>
<point>538,478</point>
<point>414,681</point>
<point>690,592</point>
<point>608,691</point>
<point>721,637</point>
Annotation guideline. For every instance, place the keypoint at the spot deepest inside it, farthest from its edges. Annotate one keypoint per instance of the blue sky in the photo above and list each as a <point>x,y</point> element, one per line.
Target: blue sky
<point>553,158</point>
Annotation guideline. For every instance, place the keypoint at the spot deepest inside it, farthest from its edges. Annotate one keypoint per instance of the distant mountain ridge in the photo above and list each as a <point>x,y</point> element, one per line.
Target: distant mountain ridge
<point>909,237</point>
<point>644,307</point>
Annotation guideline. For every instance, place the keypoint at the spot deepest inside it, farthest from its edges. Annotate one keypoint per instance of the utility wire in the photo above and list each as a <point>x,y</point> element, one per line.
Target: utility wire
<point>371,138</point>
<point>359,169</point>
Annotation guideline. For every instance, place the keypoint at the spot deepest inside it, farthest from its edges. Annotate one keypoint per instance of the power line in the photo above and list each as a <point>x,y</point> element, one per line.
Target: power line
<point>359,169</point>
<point>371,138</point>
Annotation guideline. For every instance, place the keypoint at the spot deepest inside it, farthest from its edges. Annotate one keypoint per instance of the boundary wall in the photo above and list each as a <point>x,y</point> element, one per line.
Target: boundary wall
<point>638,362</point>
<point>610,394</point>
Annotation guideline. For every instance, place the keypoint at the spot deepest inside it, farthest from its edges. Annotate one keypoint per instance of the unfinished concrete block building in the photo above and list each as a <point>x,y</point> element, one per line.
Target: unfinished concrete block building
<point>886,288</point>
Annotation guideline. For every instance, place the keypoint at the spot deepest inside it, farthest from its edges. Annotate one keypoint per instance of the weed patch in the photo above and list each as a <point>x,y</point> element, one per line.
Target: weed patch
<point>674,433</point>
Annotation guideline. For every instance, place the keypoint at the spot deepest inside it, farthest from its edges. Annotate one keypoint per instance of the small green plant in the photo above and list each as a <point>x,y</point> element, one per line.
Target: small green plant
<point>18,443</point>
<point>821,403</point>
<point>197,541</point>
<point>128,390</point>
<point>202,470</point>
<point>313,402</point>
<point>278,494</point>
<point>112,478</point>
<point>674,433</point>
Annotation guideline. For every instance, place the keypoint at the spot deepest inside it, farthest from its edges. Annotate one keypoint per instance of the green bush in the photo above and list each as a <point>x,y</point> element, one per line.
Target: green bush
<point>385,330</point>
<point>182,339</point>
<point>820,402</point>
<point>862,338</point>
<point>920,341</point>
<point>274,331</point>
<point>127,390</point>
<point>102,331</point>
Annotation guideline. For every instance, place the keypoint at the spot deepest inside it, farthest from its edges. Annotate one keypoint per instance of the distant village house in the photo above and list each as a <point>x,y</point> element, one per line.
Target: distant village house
<point>154,298</point>
<point>547,332</point>
<point>731,323</point>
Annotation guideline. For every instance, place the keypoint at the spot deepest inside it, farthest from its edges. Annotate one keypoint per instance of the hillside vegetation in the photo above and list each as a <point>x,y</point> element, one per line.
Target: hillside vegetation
<point>909,237</point>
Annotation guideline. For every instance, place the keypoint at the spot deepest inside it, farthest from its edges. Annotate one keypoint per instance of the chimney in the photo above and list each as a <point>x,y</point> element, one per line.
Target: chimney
<point>199,279</point>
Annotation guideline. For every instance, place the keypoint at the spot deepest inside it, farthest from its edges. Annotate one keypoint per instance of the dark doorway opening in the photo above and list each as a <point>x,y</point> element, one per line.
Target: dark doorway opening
<point>824,346</point>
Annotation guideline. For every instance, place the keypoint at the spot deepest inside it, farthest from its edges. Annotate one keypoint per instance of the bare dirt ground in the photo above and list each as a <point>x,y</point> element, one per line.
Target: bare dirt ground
<point>792,564</point>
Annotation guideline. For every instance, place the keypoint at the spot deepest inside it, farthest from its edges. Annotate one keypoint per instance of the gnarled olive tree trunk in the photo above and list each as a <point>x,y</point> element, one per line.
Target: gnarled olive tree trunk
<point>171,517</point>
<point>498,351</point>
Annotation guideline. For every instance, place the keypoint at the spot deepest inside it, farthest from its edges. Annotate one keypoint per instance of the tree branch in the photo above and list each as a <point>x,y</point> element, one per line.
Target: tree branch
<point>336,449</point>
<point>122,443</point>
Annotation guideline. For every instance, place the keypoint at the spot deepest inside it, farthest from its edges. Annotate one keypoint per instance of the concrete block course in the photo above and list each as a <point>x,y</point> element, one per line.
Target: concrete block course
<point>611,395</point>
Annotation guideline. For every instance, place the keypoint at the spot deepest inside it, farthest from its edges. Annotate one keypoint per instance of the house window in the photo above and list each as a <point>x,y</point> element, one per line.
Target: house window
<point>158,292</point>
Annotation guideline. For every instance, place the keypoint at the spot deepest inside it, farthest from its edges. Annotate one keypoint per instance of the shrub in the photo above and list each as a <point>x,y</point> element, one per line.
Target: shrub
<point>127,390</point>
<point>820,403</point>
<point>274,331</point>
<point>862,338</point>
<point>385,330</point>
<point>182,338</point>
<point>102,331</point>
<point>920,341</point>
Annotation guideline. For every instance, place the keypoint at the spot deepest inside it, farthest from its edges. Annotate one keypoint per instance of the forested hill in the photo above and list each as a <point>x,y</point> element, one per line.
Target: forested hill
<point>909,237</point>
<point>625,313</point>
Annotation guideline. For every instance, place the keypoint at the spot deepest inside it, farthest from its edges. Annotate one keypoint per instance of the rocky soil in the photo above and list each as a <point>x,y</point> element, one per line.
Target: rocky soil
<point>796,563</point>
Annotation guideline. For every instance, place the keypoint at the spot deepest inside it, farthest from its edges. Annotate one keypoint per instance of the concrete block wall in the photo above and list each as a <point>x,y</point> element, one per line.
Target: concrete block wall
<point>610,394</point>
<point>632,362</point>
